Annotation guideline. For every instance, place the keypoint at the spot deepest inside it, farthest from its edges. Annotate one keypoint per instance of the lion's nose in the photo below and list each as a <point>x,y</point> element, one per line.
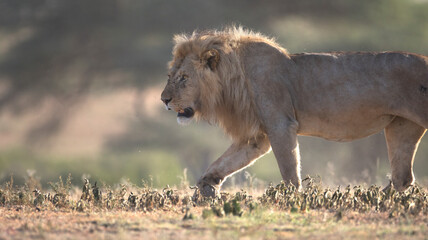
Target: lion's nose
<point>166,101</point>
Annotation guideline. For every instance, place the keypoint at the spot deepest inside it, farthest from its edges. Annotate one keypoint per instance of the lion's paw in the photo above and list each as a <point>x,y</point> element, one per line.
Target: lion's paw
<point>208,189</point>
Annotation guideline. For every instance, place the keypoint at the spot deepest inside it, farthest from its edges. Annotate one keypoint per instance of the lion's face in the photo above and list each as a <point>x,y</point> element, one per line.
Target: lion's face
<point>182,91</point>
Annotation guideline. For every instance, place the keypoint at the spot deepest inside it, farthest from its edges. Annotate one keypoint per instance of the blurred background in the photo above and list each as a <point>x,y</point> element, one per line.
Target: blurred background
<point>80,85</point>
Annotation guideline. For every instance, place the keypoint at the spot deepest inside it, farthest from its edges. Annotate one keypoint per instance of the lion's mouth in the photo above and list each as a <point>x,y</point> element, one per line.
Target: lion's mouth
<point>187,113</point>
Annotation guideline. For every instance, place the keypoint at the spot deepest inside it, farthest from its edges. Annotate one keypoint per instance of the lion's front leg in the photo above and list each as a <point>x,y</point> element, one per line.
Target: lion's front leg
<point>237,157</point>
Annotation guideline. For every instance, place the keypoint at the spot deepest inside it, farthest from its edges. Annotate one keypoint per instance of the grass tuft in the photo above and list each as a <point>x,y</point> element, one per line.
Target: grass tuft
<point>282,197</point>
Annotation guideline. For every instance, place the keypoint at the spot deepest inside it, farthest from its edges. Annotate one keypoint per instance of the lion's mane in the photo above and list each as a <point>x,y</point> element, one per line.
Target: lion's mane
<point>226,96</point>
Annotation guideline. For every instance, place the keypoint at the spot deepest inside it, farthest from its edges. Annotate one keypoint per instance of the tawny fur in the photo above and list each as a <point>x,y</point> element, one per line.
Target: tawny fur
<point>264,97</point>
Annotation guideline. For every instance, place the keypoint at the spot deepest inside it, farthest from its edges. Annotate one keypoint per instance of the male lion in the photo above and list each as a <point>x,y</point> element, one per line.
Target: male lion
<point>264,97</point>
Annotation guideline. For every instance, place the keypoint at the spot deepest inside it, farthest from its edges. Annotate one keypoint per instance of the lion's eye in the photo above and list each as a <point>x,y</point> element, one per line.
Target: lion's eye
<point>183,78</point>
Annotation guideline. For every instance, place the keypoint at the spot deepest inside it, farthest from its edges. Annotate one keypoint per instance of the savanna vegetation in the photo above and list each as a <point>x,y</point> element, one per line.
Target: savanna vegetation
<point>126,211</point>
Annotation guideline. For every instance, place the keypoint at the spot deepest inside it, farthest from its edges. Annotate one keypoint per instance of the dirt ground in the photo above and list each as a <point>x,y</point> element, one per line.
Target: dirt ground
<point>30,223</point>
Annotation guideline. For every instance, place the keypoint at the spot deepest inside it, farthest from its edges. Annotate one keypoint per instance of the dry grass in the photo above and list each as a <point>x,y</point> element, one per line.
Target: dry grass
<point>127,211</point>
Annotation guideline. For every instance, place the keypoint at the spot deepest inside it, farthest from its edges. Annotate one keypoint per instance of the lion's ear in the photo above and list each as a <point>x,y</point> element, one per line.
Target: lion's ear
<point>211,58</point>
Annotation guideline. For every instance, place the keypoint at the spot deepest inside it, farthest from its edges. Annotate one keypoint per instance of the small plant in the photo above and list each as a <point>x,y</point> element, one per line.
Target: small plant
<point>39,198</point>
<point>62,192</point>
<point>86,193</point>
<point>184,182</point>
<point>96,192</point>
<point>189,216</point>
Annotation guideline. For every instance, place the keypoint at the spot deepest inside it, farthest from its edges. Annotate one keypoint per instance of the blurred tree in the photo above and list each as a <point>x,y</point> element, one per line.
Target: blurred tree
<point>61,50</point>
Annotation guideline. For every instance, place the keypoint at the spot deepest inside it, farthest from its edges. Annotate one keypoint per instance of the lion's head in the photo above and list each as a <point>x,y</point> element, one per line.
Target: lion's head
<point>206,81</point>
<point>187,92</point>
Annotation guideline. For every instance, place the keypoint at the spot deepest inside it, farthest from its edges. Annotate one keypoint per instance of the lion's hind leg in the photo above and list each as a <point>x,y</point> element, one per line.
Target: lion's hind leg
<point>402,138</point>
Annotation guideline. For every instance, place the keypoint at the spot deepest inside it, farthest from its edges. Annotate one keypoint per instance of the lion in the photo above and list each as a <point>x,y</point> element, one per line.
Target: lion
<point>264,97</point>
